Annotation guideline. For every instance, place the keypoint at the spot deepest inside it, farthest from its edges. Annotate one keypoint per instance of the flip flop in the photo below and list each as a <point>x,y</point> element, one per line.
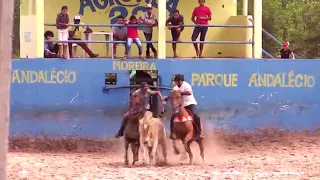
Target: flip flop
<point>142,58</point>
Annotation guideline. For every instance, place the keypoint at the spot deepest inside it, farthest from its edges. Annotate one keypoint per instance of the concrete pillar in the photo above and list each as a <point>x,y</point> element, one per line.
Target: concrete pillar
<point>257,37</point>
<point>31,28</point>
<point>245,7</point>
<point>162,29</point>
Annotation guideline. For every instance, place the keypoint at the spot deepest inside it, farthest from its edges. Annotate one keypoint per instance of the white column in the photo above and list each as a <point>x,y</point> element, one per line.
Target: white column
<point>245,7</point>
<point>162,29</point>
<point>6,21</point>
<point>31,28</point>
<point>257,37</point>
<point>40,27</point>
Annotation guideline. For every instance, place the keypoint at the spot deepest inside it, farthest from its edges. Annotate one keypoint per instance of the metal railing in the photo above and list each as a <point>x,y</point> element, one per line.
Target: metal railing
<point>143,25</point>
<point>181,42</point>
<point>275,40</point>
<point>267,54</point>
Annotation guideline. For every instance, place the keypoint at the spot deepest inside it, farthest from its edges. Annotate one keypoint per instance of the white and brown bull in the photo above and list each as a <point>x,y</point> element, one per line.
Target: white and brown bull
<point>152,134</point>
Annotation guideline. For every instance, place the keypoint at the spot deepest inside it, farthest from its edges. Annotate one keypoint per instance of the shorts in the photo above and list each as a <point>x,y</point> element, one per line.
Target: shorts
<point>63,35</point>
<point>174,33</point>
<point>116,39</point>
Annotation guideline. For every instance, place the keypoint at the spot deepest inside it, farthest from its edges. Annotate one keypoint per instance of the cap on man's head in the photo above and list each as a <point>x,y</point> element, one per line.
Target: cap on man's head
<point>149,6</point>
<point>179,77</point>
<point>77,17</point>
<point>143,85</point>
<point>286,44</point>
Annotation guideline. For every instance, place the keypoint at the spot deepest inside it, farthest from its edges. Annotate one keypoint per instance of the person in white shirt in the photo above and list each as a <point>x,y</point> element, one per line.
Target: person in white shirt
<point>189,102</point>
<point>151,19</point>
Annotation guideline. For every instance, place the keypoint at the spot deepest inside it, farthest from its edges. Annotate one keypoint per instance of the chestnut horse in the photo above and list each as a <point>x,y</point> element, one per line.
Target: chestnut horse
<point>184,127</point>
<point>131,132</point>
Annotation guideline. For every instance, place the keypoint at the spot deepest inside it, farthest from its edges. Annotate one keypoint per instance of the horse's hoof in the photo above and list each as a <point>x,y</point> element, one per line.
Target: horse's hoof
<point>183,157</point>
<point>202,156</point>
<point>165,161</point>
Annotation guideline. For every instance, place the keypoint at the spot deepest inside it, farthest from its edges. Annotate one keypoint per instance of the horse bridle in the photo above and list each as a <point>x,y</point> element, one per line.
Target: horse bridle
<point>177,108</point>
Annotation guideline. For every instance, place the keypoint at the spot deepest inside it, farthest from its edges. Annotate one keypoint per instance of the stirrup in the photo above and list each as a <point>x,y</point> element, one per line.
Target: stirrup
<point>200,136</point>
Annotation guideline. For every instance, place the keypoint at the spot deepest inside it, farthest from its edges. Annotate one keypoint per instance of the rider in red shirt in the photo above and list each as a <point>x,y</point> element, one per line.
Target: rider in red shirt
<point>132,35</point>
<point>201,16</point>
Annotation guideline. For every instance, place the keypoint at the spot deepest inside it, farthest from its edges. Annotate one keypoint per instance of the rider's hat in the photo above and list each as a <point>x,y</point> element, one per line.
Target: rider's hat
<point>179,77</point>
<point>143,85</point>
<point>149,6</point>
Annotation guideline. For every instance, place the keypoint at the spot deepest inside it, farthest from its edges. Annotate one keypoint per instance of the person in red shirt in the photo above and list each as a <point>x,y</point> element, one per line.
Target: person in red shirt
<point>201,15</point>
<point>132,36</point>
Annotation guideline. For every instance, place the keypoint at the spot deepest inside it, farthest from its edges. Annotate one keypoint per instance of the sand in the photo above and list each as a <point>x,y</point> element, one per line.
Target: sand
<point>265,156</point>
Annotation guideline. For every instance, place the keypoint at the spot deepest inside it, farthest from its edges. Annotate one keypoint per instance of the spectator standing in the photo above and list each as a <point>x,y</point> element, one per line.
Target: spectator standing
<point>175,24</point>
<point>50,50</point>
<point>62,22</point>
<point>132,36</point>
<point>119,34</point>
<point>75,35</point>
<point>285,52</point>
<point>201,15</point>
<point>149,18</point>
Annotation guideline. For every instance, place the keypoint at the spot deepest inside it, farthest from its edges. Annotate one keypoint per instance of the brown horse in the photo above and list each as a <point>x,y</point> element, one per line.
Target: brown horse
<point>131,132</point>
<point>183,127</point>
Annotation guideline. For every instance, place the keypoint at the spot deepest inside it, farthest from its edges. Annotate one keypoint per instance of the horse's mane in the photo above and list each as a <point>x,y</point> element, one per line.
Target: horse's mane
<point>174,92</point>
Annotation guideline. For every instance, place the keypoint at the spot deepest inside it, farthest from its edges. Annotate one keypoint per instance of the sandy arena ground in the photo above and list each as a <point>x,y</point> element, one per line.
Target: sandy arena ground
<point>265,156</point>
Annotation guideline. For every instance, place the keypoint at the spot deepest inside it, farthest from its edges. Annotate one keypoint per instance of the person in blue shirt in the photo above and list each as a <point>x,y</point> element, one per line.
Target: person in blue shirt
<point>51,50</point>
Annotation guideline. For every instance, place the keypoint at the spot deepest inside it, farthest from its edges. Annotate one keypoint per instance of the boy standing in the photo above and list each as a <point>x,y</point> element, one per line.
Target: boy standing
<point>62,22</point>
<point>201,15</point>
<point>132,35</point>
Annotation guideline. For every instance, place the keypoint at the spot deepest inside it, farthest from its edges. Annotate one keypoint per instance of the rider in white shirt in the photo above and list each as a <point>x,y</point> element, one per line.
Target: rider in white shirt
<point>189,102</point>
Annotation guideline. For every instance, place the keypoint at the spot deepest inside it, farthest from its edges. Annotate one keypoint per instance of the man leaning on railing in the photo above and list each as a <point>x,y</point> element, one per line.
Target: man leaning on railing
<point>75,34</point>
<point>119,34</point>
<point>175,25</point>
<point>286,52</point>
<point>149,18</point>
